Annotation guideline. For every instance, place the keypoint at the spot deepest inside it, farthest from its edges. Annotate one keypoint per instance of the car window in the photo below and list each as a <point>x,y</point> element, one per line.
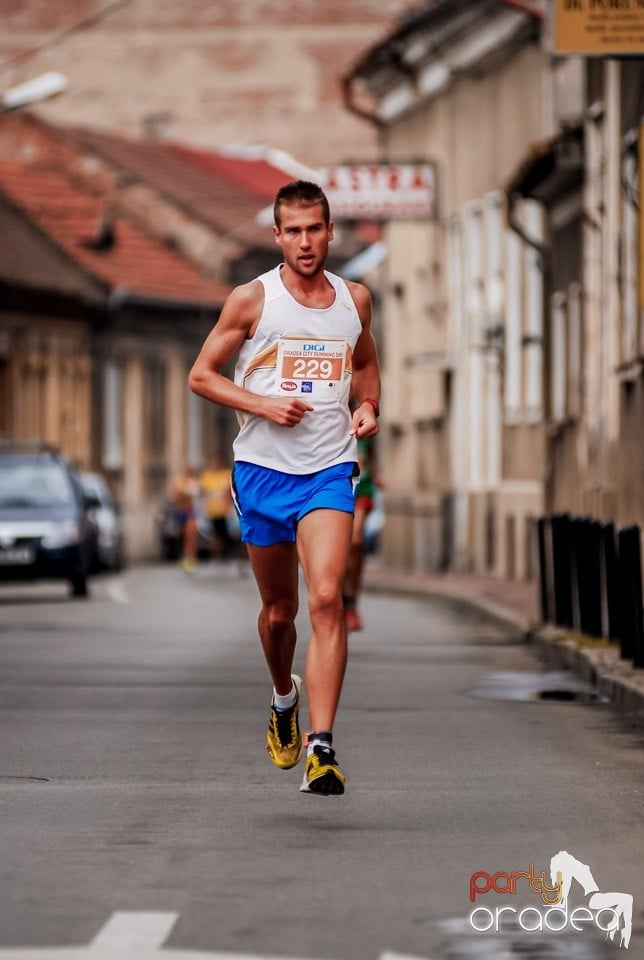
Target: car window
<point>36,484</point>
<point>95,486</point>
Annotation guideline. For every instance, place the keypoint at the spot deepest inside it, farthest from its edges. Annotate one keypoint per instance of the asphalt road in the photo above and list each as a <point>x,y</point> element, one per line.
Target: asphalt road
<point>140,810</point>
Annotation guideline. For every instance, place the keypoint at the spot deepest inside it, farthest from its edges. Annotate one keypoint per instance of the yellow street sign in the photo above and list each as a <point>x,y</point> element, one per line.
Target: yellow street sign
<point>641,224</point>
<point>599,27</point>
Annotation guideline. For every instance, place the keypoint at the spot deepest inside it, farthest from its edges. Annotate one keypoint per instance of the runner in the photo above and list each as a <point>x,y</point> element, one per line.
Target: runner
<point>184,492</point>
<point>306,385</point>
<point>364,502</point>
<point>214,483</point>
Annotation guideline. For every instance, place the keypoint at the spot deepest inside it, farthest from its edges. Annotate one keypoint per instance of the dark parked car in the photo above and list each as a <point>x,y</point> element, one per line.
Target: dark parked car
<point>46,529</point>
<point>110,549</point>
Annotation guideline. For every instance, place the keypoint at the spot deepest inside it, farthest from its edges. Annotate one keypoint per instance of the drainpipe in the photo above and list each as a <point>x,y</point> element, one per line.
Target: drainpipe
<point>369,115</point>
<point>398,64</point>
<point>610,308</point>
<point>525,7</point>
<point>544,251</point>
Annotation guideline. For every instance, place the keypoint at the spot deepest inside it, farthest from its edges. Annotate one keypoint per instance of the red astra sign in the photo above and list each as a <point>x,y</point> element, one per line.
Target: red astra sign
<point>381,191</point>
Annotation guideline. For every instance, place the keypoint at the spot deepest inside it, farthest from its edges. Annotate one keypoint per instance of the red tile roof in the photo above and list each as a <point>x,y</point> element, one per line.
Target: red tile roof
<point>136,263</point>
<point>206,189</point>
<point>258,177</point>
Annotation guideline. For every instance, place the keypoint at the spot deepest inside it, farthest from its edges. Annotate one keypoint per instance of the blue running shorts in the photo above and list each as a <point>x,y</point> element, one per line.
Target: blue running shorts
<point>269,503</point>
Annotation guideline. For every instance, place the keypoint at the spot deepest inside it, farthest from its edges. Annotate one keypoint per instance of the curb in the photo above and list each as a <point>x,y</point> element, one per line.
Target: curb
<point>597,661</point>
<point>495,610</point>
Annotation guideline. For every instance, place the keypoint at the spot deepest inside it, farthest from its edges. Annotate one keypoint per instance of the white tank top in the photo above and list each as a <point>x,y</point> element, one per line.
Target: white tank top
<point>303,352</point>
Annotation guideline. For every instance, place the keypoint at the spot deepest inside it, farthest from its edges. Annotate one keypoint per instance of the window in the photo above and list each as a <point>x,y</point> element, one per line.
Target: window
<point>474,270</point>
<point>565,353</point>
<point>575,345</point>
<point>4,397</point>
<point>112,454</point>
<point>533,338</point>
<point>455,256</point>
<point>513,331</point>
<point>629,274</point>
<point>154,379</point>
<point>559,356</point>
<point>195,426</point>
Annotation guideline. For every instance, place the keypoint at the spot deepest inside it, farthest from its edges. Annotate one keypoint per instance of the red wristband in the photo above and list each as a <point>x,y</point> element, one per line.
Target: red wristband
<point>374,404</point>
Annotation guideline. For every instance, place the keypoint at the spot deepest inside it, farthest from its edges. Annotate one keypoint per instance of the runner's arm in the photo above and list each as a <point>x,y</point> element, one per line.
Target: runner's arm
<point>365,379</point>
<point>236,323</point>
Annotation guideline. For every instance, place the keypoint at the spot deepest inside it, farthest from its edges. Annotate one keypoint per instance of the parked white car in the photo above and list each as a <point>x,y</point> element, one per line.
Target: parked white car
<point>110,551</point>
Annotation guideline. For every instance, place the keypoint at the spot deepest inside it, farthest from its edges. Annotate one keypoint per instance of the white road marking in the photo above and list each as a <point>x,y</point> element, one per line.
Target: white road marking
<point>388,955</point>
<point>125,953</point>
<point>116,592</point>
<point>130,935</point>
<point>127,930</point>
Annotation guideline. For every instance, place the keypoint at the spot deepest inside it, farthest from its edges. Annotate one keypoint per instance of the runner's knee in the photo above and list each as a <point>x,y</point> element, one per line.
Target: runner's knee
<point>325,599</point>
<point>279,617</point>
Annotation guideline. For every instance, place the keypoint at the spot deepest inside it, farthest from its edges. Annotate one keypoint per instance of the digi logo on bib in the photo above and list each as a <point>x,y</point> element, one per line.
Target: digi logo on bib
<point>288,385</point>
<point>307,386</point>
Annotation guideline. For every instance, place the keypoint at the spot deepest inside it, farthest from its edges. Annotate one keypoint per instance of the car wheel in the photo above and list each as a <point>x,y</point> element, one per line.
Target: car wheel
<point>170,549</point>
<point>78,586</point>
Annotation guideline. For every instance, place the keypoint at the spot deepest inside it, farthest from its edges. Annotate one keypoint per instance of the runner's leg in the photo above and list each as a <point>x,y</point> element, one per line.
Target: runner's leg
<point>190,536</point>
<point>323,541</point>
<point>356,556</point>
<point>276,572</point>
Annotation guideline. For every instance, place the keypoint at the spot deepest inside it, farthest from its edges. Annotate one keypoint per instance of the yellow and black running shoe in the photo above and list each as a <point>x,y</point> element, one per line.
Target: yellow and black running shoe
<point>283,739</point>
<point>322,774</point>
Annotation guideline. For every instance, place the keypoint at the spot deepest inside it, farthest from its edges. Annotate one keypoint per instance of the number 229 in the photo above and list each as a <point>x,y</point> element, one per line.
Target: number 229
<point>312,369</point>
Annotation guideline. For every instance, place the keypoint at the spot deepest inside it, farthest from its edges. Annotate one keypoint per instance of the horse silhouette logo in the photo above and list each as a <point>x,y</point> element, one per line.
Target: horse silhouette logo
<point>564,868</point>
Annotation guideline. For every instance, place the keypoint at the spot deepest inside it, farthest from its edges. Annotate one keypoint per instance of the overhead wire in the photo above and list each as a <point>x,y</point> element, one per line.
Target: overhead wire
<point>86,24</point>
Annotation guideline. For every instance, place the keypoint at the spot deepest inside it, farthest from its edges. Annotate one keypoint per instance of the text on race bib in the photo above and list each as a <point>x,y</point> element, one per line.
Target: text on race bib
<point>313,368</point>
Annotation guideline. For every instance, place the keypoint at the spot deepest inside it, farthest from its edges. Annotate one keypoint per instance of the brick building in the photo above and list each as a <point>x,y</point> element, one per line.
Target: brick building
<point>243,72</point>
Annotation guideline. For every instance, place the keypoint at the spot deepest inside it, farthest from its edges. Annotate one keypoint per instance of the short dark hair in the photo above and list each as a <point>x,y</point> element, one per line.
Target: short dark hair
<point>302,193</point>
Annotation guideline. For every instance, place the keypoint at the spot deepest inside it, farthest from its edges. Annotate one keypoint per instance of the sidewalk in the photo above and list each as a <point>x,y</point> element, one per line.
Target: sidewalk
<point>511,601</point>
<point>516,603</point>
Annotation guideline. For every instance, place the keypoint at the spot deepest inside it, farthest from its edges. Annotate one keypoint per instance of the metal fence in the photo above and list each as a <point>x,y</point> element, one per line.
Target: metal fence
<point>590,580</point>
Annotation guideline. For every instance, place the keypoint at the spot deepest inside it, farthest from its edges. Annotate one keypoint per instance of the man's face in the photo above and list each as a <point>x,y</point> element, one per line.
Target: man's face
<point>303,238</point>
